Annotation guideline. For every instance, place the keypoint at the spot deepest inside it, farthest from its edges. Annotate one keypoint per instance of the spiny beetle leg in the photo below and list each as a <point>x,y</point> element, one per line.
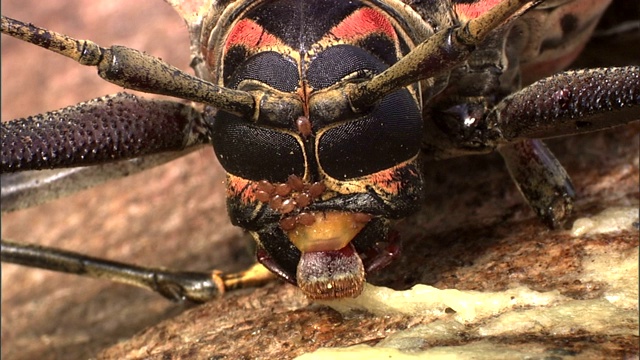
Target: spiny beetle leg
<point>572,102</point>
<point>541,179</point>
<point>569,103</point>
<point>177,286</point>
<point>101,130</point>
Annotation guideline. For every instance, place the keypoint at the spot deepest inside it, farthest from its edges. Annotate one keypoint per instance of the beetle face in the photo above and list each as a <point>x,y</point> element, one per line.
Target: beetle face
<point>315,191</point>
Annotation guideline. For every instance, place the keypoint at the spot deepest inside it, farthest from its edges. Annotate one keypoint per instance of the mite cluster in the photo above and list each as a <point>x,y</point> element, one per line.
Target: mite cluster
<point>292,195</point>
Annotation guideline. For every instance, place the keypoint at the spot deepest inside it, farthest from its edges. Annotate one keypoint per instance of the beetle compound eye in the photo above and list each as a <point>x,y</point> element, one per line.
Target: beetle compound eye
<point>268,67</point>
<point>384,138</point>
<point>256,153</point>
<point>340,61</point>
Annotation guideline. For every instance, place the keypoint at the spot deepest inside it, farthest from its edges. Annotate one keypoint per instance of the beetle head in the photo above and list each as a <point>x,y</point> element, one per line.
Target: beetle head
<point>317,190</point>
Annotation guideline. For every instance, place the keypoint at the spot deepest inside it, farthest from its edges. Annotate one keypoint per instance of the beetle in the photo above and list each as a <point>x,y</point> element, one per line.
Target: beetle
<point>290,265</point>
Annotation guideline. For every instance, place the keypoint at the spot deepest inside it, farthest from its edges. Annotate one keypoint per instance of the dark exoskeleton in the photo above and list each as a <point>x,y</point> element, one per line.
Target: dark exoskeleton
<point>319,111</point>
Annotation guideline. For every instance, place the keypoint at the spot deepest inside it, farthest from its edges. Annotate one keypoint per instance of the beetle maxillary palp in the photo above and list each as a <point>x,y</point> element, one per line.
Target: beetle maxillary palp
<point>382,254</point>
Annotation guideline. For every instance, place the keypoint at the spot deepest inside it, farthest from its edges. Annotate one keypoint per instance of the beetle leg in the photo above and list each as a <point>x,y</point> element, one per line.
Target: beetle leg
<point>177,286</point>
<point>572,102</point>
<point>122,134</point>
<point>106,129</point>
<point>256,275</point>
<point>30,188</point>
<point>541,179</point>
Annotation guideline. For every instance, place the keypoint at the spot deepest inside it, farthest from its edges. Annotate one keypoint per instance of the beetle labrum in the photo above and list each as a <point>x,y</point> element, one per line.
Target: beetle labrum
<point>319,111</point>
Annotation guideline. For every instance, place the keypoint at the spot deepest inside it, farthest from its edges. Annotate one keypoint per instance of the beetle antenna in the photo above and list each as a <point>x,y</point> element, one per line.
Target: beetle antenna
<point>436,55</point>
<point>135,70</point>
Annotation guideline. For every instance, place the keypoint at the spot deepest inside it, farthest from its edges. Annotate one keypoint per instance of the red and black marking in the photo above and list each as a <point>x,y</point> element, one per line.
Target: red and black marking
<point>301,24</point>
<point>471,9</point>
<point>347,40</point>
<point>267,35</point>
